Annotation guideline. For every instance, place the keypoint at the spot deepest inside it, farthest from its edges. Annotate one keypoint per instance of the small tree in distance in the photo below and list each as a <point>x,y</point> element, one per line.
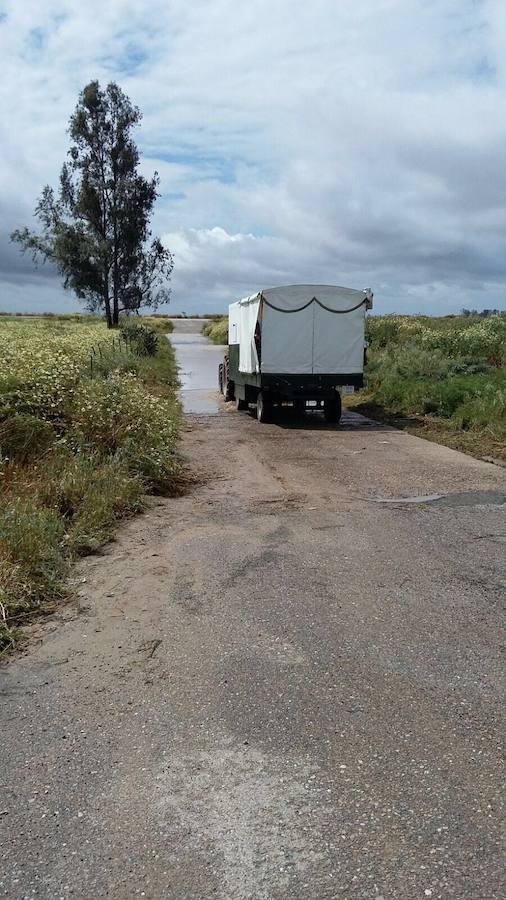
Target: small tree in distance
<point>96,230</point>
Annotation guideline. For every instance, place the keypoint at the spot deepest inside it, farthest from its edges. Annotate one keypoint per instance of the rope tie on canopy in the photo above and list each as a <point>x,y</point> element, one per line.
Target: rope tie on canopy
<point>314,300</point>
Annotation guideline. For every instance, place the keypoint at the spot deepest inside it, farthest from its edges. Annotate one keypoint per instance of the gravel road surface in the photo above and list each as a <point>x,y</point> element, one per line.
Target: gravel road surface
<point>286,684</point>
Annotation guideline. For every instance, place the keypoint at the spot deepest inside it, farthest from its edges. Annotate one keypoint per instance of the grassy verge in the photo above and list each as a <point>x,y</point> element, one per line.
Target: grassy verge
<point>88,427</point>
<point>480,442</point>
<point>217,330</point>
<point>443,379</point>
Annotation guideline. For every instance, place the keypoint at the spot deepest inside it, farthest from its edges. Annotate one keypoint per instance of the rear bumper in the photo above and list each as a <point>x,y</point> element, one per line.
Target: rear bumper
<point>308,386</point>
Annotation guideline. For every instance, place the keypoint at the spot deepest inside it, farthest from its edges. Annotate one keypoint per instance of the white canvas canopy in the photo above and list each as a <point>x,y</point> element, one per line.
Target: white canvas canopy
<point>242,320</point>
<point>305,329</point>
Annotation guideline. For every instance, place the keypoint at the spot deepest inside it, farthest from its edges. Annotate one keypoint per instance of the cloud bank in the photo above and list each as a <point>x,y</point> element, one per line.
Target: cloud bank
<point>352,143</point>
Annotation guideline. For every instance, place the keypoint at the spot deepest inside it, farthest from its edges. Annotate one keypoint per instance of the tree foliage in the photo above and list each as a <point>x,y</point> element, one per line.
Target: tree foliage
<point>484,314</point>
<point>96,229</point>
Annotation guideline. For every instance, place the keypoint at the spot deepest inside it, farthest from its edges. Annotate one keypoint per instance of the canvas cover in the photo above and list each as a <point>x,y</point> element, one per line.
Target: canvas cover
<point>242,319</point>
<point>305,329</point>
<point>293,296</point>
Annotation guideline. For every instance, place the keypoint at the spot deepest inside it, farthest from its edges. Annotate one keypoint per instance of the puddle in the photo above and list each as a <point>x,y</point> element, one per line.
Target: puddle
<point>198,362</point>
<point>462,498</point>
<point>474,498</point>
<point>427,498</point>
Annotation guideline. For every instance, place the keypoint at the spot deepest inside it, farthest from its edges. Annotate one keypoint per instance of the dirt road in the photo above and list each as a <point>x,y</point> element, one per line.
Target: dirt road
<point>286,684</point>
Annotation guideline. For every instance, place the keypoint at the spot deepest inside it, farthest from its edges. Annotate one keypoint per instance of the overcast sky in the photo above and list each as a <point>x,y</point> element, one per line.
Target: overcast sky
<point>358,143</point>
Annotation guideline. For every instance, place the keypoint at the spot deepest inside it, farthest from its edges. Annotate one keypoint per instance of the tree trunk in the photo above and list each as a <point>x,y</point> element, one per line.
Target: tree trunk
<point>115,276</point>
<point>107,302</point>
<point>115,292</point>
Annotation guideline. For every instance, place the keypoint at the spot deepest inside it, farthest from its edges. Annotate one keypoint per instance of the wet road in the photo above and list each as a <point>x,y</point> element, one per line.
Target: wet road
<point>198,362</point>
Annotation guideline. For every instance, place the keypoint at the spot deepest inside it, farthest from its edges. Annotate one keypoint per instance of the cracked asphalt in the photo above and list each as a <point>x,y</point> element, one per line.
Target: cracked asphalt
<point>275,686</point>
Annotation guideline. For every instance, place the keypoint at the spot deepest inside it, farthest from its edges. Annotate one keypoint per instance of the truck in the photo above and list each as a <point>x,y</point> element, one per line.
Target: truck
<point>297,345</point>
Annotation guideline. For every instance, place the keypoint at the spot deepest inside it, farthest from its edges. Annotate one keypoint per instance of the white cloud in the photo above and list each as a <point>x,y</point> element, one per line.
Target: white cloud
<point>353,143</point>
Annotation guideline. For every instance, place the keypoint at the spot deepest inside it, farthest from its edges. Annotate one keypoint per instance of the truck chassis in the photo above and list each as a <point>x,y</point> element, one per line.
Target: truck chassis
<point>274,391</point>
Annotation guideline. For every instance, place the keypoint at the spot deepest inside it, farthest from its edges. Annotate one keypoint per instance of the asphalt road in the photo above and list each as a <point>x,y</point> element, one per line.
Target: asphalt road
<point>286,684</point>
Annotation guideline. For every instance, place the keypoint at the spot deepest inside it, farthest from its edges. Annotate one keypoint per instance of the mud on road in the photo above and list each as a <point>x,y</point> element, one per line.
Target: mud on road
<point>274,686</point>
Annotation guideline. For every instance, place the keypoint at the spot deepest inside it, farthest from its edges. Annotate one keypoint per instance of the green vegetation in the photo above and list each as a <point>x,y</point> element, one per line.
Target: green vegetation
<point>442,378</point>
<point>160,324</point>
<point>217,330</point>
<point>88,426</point>
<point>95,228</point>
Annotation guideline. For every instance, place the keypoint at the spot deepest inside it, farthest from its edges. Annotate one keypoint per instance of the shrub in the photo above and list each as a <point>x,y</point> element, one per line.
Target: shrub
<point>413,394</point>
<point>482,340</point>
<point>382,331</point>
<point>139,338</point>
<point>217,330</point>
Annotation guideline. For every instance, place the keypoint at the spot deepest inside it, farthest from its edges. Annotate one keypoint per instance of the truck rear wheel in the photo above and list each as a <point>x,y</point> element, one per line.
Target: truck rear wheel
<point>332,409</point>
<point>264,408</point>
<point>240,403</point>
<point>227,387</point>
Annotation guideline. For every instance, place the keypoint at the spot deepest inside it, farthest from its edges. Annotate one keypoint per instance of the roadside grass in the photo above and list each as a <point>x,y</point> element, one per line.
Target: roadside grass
<point>159,373</point>
<point>217,330</point>
<point>84,436</point>
<point>487,442</point>
<point>443,379</point>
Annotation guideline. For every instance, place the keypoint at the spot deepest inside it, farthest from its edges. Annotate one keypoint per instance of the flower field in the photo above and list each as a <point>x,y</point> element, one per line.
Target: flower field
<point>41,362</point>
<point>88,426</point>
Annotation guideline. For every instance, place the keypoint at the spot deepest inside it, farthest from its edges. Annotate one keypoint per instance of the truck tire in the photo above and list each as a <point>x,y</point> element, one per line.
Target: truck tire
<point>221,378</point>
<point>332,409</point>
<point>229,390</point>
<point>240,403</point>
<point>264,408</point>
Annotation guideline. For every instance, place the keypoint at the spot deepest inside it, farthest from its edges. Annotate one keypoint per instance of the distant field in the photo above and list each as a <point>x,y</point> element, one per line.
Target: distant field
<point>441,378</point>
<point>88,425</point>
<point>159,322</point>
